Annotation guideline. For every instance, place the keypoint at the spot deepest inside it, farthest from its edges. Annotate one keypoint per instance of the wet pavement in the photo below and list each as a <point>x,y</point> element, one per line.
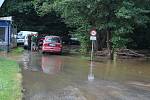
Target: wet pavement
<point>55,77</point>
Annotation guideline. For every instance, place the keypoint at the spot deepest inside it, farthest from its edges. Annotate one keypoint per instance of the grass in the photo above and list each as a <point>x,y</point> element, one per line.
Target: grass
<point>10,80</point>
<point>17,50</point>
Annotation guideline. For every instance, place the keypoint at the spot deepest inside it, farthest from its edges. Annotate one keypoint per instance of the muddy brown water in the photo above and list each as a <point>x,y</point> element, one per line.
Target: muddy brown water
<point>54,77</point>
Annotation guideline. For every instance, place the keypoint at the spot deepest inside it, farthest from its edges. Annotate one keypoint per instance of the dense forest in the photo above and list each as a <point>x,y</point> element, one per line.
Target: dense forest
<point>119,23</point>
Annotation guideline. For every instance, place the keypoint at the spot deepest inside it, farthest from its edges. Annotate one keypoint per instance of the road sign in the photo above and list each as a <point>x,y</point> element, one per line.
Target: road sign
<point>93,32</point>
<point>92,38</point>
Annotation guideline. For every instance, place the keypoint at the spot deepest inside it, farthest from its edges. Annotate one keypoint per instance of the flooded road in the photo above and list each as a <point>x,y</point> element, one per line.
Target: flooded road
<point>54,77</point>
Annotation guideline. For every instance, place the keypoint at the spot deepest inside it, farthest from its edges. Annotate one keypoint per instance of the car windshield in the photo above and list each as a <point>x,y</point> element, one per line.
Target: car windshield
<point>53,40</point>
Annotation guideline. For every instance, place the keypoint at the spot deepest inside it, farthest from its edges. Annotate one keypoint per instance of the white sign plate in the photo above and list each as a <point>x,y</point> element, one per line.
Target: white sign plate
<point>92,37</point>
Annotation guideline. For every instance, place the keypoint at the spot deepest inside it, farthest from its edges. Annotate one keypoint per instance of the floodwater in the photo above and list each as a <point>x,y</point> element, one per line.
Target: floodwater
<point>55,77</point>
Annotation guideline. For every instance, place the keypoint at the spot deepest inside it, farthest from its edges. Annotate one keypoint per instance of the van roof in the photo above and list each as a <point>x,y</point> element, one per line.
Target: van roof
<point>26,32</point>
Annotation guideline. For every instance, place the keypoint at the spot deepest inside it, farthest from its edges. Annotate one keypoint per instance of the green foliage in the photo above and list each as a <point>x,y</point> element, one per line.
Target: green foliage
<point>140,38</point>
<point>73,18</point>
<point>25,17</point>
<point>115,17</point>
<point>10,80</point>
<point>119,42</point>
<point>81,33</point>
<point>43,7</point>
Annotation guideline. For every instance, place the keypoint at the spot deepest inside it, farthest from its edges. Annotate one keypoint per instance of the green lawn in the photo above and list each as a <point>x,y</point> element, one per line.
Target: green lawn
<point>17,50</point>
<point>10,80</point>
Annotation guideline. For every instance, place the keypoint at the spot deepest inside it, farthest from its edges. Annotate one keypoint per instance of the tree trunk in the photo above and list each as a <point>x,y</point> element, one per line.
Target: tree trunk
<point>99,41</point>
<point>109,45</point>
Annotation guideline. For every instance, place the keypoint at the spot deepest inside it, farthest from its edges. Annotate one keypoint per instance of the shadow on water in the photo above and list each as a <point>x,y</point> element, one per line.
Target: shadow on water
<point>55,77</point>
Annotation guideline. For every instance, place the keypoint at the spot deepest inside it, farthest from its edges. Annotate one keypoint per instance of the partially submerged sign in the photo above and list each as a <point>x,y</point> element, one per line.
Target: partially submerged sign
<point>93,35</point>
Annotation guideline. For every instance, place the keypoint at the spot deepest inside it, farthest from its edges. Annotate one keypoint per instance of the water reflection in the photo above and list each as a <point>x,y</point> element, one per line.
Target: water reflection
<point>51,65</point>
<point>91,75</point>
<point>123,70</point>
<point>48,64</point>
<point>31,61</point>
<point>77,68</point>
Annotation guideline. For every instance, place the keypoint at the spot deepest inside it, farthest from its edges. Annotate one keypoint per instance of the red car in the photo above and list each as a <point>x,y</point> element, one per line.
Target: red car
<point>52,44</point>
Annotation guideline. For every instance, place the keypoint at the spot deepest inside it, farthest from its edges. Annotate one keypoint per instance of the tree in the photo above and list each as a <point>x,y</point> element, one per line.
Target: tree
<point>26,18</point>
<point>117,21</point>
<point>115,18</point>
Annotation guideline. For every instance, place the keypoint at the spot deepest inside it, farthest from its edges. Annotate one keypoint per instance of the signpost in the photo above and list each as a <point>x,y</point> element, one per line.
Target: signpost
<point>92,38</point>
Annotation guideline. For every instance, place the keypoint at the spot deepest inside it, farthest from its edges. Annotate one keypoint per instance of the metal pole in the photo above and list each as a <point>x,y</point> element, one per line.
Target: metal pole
<point>92,50</point>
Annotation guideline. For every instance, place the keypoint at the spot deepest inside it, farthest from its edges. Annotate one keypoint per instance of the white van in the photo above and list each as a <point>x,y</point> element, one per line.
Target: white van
<point>21,36</point>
